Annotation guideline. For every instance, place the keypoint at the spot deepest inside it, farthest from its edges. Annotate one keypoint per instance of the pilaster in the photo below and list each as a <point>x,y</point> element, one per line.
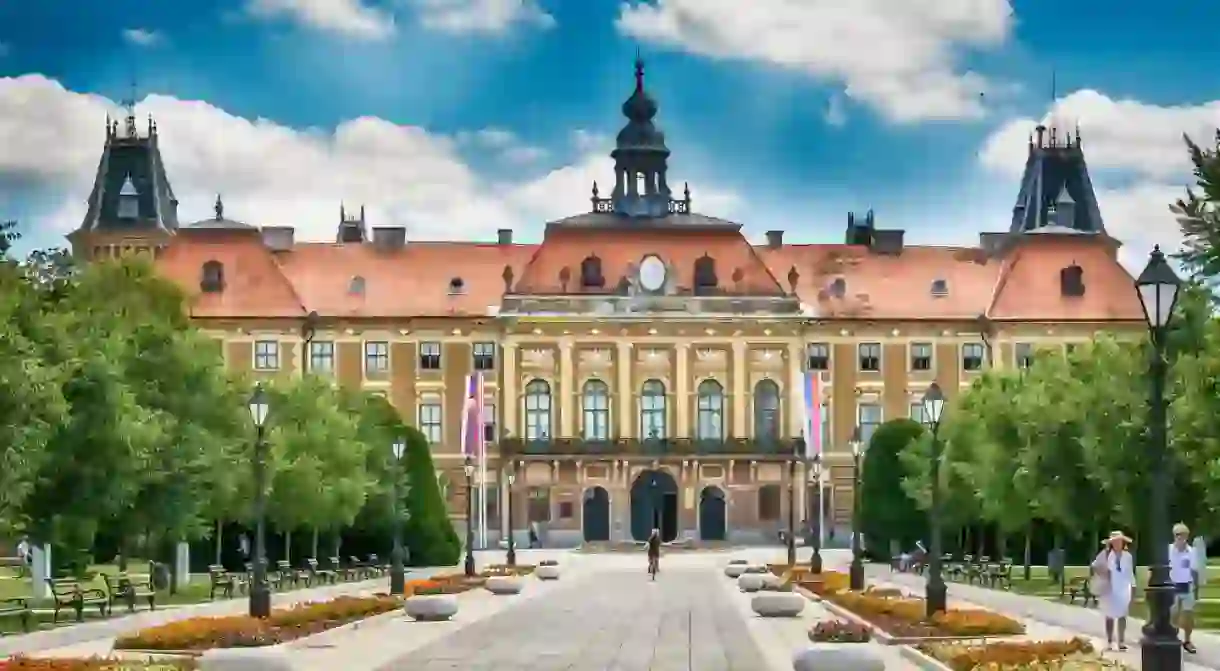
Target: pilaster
<point>509,401</point>
<point>682,392</point>
<point>622,368</point>
<point>738,393</point>
<point>567,390</point>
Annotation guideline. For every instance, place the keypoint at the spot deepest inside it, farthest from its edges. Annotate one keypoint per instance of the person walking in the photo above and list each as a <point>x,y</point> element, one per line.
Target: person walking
<point>654,553</point>
<point>1184,574</point>
<point>1113,581</point>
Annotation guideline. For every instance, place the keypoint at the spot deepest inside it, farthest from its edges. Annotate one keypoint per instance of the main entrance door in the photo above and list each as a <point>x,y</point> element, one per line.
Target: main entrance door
<point>654,505</point>
<point>596,515</point>
<point>712,514</point>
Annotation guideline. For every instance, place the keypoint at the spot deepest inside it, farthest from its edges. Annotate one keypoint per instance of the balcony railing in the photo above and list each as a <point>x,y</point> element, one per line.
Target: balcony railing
<point>658,447</point>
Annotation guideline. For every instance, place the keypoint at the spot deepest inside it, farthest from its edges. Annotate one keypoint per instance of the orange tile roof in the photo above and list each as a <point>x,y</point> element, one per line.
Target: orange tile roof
<point>254,285</point>
<point>1028,287</point>
<point>619,249</point>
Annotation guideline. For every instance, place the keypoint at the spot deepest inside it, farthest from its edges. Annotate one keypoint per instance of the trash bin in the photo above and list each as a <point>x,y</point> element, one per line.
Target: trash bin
<point>160,576</point>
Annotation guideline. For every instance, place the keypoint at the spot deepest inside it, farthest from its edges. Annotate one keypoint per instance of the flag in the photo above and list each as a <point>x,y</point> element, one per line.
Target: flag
<point>472,415</point>
<point>814,420</point>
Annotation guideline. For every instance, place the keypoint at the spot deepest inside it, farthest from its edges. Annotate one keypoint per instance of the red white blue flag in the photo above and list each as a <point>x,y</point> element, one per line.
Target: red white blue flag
<point>812,406</point>
<point>472,416</point>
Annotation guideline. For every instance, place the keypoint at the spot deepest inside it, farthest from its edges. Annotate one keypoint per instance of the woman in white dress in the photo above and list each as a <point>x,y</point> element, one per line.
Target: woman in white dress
<point>1114,583</point>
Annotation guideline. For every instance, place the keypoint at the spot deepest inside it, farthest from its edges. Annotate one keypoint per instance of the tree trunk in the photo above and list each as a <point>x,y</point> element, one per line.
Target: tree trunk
<point>219,539</point>
<point>288,547</point>
<point>1029,550</point>
<point>1058,546</point>
<point>314,554</point>
<point>124,545</point>
<point>1001,545</point>
<point>171,546</point>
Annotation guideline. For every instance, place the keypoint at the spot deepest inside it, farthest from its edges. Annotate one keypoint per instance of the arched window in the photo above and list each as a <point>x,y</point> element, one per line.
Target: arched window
<point>766,411</point>
<point>591,272</point>
<point>537,410</point>
<point>705,273</point>
<point>710,425</point>
<point>595,402</point>
<point>652,410</point>
<point>213,279</point>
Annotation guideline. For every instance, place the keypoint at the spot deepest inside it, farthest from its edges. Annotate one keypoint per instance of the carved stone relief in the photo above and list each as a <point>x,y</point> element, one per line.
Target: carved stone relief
<point>711,359</point>
<point>767,359</point>
<point>600,358</point>
<point>538,358</point>
<point>650,358</point>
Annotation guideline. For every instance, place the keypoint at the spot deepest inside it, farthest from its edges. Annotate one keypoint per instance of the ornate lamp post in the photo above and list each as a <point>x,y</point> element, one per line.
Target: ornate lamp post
<point>308,330</point>
<point>512,546</point>
<point>856,574</point>
<point>397,574</point>
<point>260,591</point>
<point>469,468</point>
<point>1160,649</point>
<point>935,593</point>
<point>797,447</point>
<point>815,562</point>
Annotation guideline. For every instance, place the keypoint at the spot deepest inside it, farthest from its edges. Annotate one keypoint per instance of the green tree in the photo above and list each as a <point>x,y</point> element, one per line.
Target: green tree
<point>887,513</point>
<point>1197,215</point>
<point>430,536</point>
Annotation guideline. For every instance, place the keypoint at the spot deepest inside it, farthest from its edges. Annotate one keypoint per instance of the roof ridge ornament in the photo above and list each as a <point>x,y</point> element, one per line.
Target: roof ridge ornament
<point>219,208</point>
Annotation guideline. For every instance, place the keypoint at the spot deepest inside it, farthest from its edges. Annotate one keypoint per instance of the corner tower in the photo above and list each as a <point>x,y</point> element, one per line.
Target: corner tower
<point>1056,193</point>
<point>640,158</point>
<point>132,207</point>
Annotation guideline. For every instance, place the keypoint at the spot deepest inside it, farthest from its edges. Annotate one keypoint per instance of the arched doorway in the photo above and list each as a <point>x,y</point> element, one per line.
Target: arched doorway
<point>713,514</point>
<point>595,518</point>
<point>654,504</point>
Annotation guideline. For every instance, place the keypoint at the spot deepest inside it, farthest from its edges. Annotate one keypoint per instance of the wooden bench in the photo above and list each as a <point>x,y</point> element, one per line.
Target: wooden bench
<point>127,588</point>
<point>1078,587</point>
<point>378,567</point>
<point>68,593</point>
<point>291,576</point>
<point>18,607</point>
<point>321,575</point>
<point>224,582</point>
<point>360,569</point>
<point>342,572</point>
<point>1000,575</point>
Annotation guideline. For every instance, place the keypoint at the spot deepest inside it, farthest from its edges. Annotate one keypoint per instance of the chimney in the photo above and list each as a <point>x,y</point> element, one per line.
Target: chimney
<point>504,236</point>
<point>279,238</point>
<point>887,241</point>
<point>389,237</point>
<point>775,239</point>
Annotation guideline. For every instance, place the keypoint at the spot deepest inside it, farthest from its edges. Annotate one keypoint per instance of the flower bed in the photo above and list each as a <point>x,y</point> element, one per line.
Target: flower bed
<point>824,583</point>
<point>839,631</point>
<point>93,664</point>
<point>1077,655</point>
<point>906,617</point>
<point>505,569</point>
<point>284,624</point>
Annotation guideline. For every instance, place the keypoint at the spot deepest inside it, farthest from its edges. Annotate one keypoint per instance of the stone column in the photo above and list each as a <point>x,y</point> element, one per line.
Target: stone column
<point>626,406</point>
<point>682,392</point>
<point>738,394</point>
<point>509,403</point>
<point>567,390</point>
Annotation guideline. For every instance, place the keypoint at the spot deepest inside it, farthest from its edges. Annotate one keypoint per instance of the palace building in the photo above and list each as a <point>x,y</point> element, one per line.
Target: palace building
<point>642,359</point>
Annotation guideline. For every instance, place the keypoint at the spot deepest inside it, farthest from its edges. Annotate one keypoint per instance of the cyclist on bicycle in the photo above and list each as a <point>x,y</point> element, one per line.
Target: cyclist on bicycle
<point>654,551</point>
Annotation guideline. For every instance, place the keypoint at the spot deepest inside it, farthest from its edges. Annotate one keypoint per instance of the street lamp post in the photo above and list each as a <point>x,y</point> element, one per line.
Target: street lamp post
<point>856,574</point>
<point>512,546</point>
<point>815,561</point>
<point>260,591</point>
<point>797,446</point>
<point>397,574</point>
<point>1160,649</point>
<point>935,592</point>
<point>308,330</point>
<point>469,468</point>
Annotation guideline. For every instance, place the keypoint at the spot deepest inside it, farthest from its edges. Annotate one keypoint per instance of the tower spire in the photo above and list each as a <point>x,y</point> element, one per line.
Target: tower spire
<point>130,105</point>
<point>639,71</point>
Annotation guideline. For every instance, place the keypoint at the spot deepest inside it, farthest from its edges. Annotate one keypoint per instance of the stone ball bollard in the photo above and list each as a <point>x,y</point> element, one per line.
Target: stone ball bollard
<point>549,572</point>
<point>504,584</point>
<point>271,658</point>
<point>750,582</point>
<point>735,570</point>
<point>778,604</point>
<point>771,581</point>
<point>837,657</point>
<point>431,607</point>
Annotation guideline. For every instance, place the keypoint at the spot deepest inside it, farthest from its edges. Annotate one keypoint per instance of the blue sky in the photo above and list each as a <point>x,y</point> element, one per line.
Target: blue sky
<point>476,114</point>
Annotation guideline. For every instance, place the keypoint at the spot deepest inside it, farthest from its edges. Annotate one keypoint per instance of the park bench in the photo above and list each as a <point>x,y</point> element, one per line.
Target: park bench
<point>126,588</point>
<point>379,567</point>
<point>360,569</point>
<point>291,576</point>
<point>321,575</point>
<point>1000,575</point>
<point>19,607</point>
<point>68,593</point>
<point>1078,587</point>
<point>275,577</point>
<point>224,582</point>
<point>343,572</point>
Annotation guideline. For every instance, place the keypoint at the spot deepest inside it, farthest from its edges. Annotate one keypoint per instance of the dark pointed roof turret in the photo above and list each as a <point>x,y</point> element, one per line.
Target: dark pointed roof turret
<point>1056,179</point>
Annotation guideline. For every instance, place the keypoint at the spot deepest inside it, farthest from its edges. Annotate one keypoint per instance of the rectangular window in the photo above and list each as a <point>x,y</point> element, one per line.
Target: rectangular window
<point>431,420</point>
<point>539,504</point>
<point>430,355</point>
<point>484,356</point>
<point>489,422</point>
<point>817,356</point>
<point>870,356</point>
<point>376,357</point>
<point>868,418</point>
<point>921,356</point>
<point>917,414</point>
<point>322,357</point>
<point>768,503</point>
<point>972,356</point>
<point>1025,355</point>
<point>266,355</point>
<point>566,510</point>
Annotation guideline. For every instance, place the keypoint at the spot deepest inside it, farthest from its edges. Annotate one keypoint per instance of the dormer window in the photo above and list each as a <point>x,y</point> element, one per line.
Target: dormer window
<point>356,286</point>
<point>838,288</point>
<point>591,273</point>
<point>129,200</point>
<point>940,288</point>
<point>213,279</point>
<point>457,286</point>
<point>1071,281</point>
<point>705,273</point>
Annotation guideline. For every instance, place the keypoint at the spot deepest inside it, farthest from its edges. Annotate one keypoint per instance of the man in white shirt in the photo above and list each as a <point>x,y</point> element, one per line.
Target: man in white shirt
<point>1184,574</point>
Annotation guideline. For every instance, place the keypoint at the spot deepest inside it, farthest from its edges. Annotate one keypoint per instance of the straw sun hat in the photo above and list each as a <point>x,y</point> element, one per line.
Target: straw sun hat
<point>1117,536</point>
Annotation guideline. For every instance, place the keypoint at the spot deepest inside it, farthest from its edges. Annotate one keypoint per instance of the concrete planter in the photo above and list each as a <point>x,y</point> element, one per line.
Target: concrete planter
<point>734,570</point>
<point>838,657</point>
<point>270,658</point>
<point>504,585</point>
<point>547,572</point>
<point>431,607</point>
<point>750,582</point>
<point>778,604</point>
<point>771,581</point>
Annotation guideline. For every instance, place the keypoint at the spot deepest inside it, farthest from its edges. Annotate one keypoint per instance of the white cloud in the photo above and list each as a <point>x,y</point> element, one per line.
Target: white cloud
<point>1135,154</point>
<point>504,145</point>
<point>272,174</point>
<point>898,56</point>
<point>836,112</point>
<point>142,37</point>
<point>481,16</point>
<point>349,18</point>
